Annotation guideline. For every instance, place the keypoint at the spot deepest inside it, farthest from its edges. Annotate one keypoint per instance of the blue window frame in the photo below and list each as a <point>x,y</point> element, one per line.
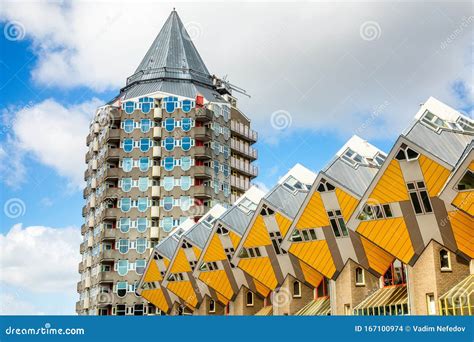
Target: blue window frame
<point>129,107</point>
<point>225,168</point>
<point>171,103</point>
<point>145,144</point>
<point>141,224</point>
<point>140,266</point>
<point>167,223</point>
<point>168,144</point>
<point>185,163</point>
<point>126,184</point>
<point>144,164</point>
<point>142,204</point>
<point>185,203</point>
<point>168,183</point>
<point>141,245</point>
<point>127,145</point>
<point>168,203</point>
<point>122,287</point>
<point>122,267</point>
<point>127,164</point>
<point>124,224</point>
<point>168,163</point>
<point>186,124</point>
<point>216,167</point>
<point>123,246</point>
<point>226,113</point>
<point>125,204</point>
<point>187,105</point>
<point>186,143</point>
<point>143,183</point>
<point>128,126</point>
<point>185,183</point>
<point>145,125</point>
<point>169,124</point>
<point>226,152</point>
<point>145,104</point>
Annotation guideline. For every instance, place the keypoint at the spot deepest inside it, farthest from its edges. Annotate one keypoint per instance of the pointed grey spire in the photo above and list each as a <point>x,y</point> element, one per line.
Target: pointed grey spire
<point>172,56</point>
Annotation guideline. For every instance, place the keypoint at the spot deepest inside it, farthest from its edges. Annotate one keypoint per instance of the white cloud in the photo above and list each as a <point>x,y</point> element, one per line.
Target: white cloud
<point>308,59</point>
<point>53,135</point>
<point>40,259</point>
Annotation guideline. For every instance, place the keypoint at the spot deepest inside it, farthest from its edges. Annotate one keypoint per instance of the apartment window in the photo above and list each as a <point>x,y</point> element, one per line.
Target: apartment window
<point>145,144</point>
<point>276,239</point>
<point>250,252</point>
<point>168,144</point>
<point>143,183</point>
<point>168,183</point>
<point>121,309</point>
<point>123,246</point>
<point>395,275</point>
<point>375,211</point>
<point>142,204</point>
<point>292,184</point>
<point>141,224</point>
<point>296,289</point>
<point>122,267</point>
<point>249,298</point>
<point>193,264</point>
<point>138,309</point>
<point>229,252</point>
<point>430,304</point>
<point>170,103</point>
<point>185,203</point>
<point>212,306</point>
<point>187,105</point>
<point>127,145</point>
<point>467,181</point>
<point>322,289</point>
<point>325,186</point>
<point>185,183</point>
<point>186,124</point>
<point>303,235</point>
<point>406,153</point>
<point>126,184</point>
<point>127,164</point>
<point>124,224</point>
<point>419,197</point>
<point>122,288</point>
<point>169,125</point>
<point>129,107</point>
<point>145,104</point>
<point>128,126</point>
<point>145,125</point>
<point>444,260</point>
<point>168,163</point>
<point>186,163</point>
<point>168,203</point>
<point>337,223</point>
<point>141,245</point>
<point>140,266</point>
<point>186,143</point>
<point>359,276</point>
<point>144,164</point>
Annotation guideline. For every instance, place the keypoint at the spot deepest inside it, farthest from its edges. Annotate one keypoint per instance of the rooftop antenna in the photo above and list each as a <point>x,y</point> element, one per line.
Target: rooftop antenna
<point>224,86</point>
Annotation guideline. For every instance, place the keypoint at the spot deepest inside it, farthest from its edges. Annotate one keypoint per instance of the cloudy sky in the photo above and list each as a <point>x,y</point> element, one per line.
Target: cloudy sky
<point>317,73</point>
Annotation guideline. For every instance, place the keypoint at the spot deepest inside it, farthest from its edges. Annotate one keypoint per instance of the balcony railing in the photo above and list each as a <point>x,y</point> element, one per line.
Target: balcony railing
<point>244,149</point>
<point>243,131</point>
<point>244,167</point>
<point>239,183</point>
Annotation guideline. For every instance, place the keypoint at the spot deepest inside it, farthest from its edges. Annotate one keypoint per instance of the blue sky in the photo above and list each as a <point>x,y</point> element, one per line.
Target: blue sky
<point>330,76</point>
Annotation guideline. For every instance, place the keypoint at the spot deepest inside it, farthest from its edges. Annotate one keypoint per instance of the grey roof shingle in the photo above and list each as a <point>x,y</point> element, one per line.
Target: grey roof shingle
<point>285,200</point>
<point>198,234</point>
<point>236,219</point>
<point>168,246</point>
<point>356,180</point>
<point>447,145</point>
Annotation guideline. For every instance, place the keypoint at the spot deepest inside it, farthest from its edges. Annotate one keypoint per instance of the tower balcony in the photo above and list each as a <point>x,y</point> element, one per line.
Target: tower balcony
<point>155,191</point>
<point>158,113</point>
<point>243,149</point>
<point>155,211</point>
<point>243,131</point>
<point>201,191</point>
<point>157,132</point>
<point>112,153</point>
<point>241,184</point>
<point>201,171</point>
<point>156,152</point>
<point>202,152</point>
<point>204,115</point>
<point>156,171</point>
<point>202,133</point>
<point>113,134</point>
<point>154,232</point>
<point>244,167</point>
